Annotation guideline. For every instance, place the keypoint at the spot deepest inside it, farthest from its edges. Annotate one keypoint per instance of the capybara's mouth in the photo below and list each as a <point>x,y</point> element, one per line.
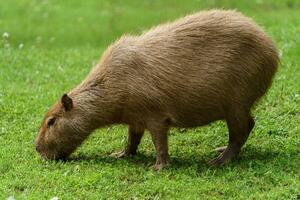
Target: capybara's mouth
<point>50,153</point>
<point>55,157</point>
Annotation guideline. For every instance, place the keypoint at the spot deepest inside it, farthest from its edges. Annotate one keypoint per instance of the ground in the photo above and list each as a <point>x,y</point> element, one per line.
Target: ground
<point>47,47</point>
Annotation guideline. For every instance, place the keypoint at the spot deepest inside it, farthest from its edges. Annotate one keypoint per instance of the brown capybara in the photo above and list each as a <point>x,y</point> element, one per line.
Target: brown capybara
<point>212,65</point>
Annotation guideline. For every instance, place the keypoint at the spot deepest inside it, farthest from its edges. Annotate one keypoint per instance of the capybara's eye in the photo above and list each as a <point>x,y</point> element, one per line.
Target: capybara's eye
<point>50,122</point>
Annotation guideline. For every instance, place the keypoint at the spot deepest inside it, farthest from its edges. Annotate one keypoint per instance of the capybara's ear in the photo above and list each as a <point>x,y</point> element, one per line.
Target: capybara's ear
<point>67,102</point>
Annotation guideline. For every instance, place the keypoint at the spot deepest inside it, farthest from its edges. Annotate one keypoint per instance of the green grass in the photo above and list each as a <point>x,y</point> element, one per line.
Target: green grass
<point>62,40</point>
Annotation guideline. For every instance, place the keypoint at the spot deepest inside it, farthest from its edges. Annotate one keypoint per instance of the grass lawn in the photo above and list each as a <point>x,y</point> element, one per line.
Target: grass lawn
<point>47,47</point>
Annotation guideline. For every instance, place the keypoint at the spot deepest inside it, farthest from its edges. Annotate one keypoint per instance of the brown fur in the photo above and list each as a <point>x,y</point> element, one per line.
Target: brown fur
<point>212,65</point>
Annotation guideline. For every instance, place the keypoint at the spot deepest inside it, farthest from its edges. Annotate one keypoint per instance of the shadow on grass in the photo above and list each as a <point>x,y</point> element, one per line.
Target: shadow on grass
<point>250,156</point>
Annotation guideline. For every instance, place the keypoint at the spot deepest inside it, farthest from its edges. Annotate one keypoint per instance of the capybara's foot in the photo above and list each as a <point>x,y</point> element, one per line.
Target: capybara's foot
<point>220,149</point>
<point>159,166</point>
<point>227,155</point>
<point>161,162</point>
<point>122,154</point>
<point>218,161</point>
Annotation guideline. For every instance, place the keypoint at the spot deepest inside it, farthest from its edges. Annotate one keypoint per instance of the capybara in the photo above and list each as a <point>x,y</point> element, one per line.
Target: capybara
<point>208,66</point>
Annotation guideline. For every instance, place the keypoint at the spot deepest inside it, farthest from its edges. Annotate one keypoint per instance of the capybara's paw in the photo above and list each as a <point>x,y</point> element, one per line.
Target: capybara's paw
<point>220,149</point>
<point>121,154</point>
<point>227,155</point>
<point>158,167</point>
<point>218,161</point>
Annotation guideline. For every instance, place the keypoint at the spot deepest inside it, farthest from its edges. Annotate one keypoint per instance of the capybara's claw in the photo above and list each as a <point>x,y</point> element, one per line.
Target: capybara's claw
<point>220,149</point>
<point>227,155</point>
<point>218,161</point>
<point>159,167</point>
<point>120,154</point>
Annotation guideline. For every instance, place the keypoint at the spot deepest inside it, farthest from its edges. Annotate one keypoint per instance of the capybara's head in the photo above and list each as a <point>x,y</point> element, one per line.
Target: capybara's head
<point>60,131</point>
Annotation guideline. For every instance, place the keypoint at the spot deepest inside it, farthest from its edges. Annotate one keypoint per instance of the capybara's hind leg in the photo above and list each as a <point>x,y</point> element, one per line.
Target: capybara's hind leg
<point>240,126</point>
<point>135,135</point>
<point>251,125</point>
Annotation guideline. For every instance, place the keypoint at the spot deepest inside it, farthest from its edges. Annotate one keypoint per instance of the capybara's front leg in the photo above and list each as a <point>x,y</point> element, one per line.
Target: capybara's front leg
<point>135,135</point>
<point>160,140</point>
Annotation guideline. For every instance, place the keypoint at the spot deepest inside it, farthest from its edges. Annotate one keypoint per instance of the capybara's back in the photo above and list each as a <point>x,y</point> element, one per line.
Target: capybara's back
<point>209,66</point>
<point>199,68</point>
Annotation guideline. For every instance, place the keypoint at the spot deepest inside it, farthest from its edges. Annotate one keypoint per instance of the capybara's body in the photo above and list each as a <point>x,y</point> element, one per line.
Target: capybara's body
<point>209,66</point>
